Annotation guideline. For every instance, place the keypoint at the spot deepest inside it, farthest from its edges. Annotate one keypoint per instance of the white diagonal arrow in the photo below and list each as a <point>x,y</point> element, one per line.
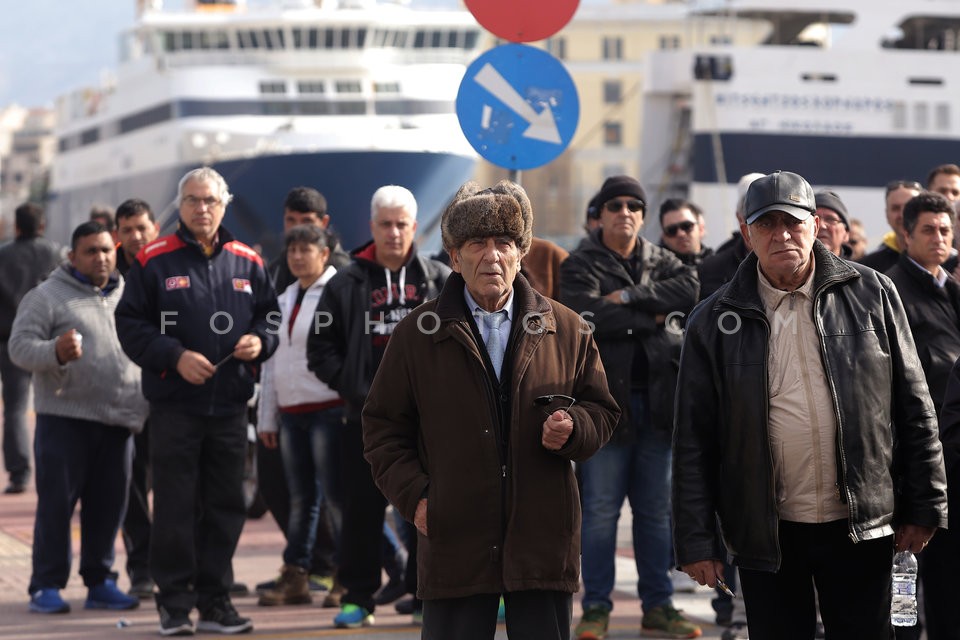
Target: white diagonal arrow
<point>542,125</point>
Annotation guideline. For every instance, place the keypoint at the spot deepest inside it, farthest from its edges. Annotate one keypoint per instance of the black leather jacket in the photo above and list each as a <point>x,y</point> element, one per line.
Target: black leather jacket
<point>889,460</point>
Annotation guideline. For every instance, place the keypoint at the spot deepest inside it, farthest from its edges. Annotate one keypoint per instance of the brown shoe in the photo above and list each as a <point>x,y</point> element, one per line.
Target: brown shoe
<point>292,588</point>
<point>332,600</point>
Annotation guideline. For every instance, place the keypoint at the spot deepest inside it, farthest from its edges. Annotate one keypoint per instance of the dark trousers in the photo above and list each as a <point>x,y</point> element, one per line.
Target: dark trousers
<point>939,569</point>
<point>85,461</point>
<point>272,484</point>
<point>136,524</point>
<point>531,615</point>
<point>361,551</point>
<point>852,582</point>
<point>16,438</point>
<point>198,507</point>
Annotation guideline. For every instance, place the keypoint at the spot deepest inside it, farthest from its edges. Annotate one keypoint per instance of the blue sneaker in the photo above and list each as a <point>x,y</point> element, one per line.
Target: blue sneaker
<point>106,596</point>
<point>48,601</point>
<point>352,617</point>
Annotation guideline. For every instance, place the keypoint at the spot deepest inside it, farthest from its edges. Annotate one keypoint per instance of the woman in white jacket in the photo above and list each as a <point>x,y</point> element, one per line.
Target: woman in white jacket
<point>301,414</point>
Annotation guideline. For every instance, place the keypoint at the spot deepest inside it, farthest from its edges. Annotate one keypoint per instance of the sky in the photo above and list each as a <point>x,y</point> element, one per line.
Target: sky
<point>50,47</point>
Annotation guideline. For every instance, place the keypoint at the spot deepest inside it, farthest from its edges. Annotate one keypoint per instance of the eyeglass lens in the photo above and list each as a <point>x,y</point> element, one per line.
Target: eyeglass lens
<point>614,206</point>
<point>686,226</point>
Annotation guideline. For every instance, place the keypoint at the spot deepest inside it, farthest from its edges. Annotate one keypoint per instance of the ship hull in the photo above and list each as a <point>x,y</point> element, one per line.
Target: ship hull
<point>346,179</point>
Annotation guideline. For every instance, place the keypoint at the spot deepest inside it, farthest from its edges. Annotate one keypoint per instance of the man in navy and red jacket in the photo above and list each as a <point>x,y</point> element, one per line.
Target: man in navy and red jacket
<point>198,315</point>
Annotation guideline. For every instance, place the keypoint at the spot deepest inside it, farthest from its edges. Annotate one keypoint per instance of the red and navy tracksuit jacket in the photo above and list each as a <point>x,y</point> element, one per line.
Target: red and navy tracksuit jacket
<point>176,298</point>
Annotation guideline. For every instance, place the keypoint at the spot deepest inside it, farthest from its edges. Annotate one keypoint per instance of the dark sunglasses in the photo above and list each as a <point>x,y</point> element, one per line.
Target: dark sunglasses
<point>903,184</point>
<point>614,206</point>
<point>686,226</point>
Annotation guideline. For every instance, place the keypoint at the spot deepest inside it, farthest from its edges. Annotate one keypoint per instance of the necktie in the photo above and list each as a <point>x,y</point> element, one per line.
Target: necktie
<point>492,322</point>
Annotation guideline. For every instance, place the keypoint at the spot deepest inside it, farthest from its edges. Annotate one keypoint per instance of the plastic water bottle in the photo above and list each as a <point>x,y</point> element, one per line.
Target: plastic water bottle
<point>903,608</point>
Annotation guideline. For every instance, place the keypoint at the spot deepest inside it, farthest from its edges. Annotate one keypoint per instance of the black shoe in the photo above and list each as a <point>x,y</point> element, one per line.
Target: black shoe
<point>14,488</point>
<point>175,623</point>
<point>407,606</point>
<point>393,590</point>
<point>221,617</point>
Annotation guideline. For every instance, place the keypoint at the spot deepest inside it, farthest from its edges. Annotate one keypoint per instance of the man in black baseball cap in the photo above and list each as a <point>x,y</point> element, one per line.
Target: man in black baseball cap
<point>801,372</point>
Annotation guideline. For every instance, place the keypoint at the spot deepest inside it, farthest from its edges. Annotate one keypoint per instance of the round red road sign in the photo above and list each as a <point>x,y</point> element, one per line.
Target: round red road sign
<point>523,20</point>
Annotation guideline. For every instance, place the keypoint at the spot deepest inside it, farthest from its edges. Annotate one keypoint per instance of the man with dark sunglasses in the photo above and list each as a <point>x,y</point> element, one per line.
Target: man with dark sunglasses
<point>682,230</point>
<point>630,289</point>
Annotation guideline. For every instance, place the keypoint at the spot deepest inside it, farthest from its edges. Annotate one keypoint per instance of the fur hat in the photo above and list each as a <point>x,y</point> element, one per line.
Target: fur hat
<point>501,210</point>
<point>621,186</point>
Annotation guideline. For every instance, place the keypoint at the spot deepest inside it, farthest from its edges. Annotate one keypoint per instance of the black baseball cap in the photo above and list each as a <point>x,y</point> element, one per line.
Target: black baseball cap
<point>779,191</point>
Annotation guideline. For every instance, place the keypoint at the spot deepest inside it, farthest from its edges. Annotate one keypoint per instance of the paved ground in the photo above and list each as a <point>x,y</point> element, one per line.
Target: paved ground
<point>257,559</point>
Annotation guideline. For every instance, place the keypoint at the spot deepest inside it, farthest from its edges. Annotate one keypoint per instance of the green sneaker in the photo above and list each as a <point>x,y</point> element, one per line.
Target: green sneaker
<point>666,622</point>
<point>593,624</point>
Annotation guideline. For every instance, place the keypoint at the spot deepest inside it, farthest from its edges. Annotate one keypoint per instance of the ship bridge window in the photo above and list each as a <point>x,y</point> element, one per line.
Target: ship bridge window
<point>273,39</point>
<point>249,39</point>
<point>423,39</point>
<point>311,86</point>
<point>389,38</point>
<point>273,86</point>
<point>472,36</point>
<point>348,86</point>
<point>926,32</point>
<point>386,87</point>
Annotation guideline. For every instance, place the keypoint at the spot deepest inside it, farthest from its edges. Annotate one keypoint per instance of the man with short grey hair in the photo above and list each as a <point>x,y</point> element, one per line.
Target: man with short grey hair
<point>364,302</point>
<point>198,316</point>
<point>801,373</point>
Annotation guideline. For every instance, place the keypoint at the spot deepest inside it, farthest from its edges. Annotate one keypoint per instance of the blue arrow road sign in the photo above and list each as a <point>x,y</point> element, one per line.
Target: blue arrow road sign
<point>518,106</point>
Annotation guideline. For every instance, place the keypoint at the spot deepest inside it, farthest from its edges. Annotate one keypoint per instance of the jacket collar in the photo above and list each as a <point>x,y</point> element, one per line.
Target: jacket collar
<point>742,291</point>
<point>223,237</point>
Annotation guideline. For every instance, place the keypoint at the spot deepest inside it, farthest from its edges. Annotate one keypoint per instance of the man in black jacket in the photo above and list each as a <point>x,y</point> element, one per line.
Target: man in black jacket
<point>931,298</point>
<point>628,289</point>
<point>198,315</point>
<point>359,309</point>
<point>806,442</point>
<point>24,263</point>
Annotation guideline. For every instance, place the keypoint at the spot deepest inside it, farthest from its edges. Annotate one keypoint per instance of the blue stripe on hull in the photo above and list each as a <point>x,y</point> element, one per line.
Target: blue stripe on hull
<point>850,161</point>
<point>259,185</point>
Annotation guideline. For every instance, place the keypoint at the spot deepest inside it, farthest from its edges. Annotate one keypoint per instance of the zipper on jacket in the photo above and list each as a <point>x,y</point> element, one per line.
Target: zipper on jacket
<point>213,295</point>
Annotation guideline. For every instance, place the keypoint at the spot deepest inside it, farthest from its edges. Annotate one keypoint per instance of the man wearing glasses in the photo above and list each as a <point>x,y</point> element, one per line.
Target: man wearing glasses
<point>834,224</point>
<point>682,231</point>
<point>633,292</point>
<point>483,398</point>
<point>198,314</point>
<point>801,376</point>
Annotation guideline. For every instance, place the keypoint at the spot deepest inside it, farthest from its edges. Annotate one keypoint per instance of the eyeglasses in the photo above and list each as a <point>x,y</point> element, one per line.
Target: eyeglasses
<point>614,206</point>
<point>686,226</point>
<point>913,185</point>
<point>830,221</point>
<point>546,401</point>
<point>193,202</point>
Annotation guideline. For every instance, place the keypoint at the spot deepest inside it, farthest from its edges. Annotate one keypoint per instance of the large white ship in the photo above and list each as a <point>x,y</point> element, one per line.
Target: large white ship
<point>850,95</point>
<point>344,96</point>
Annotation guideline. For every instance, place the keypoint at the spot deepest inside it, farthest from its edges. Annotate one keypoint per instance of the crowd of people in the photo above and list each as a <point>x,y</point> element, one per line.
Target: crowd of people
<point>781,414</point>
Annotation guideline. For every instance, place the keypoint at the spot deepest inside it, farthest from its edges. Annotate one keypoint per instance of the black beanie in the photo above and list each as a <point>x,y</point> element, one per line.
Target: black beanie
<point>830,200</point>
<point>621,186</point>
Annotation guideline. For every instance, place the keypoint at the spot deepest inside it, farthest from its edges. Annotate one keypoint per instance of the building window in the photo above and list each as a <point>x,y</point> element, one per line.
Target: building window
<point>720,39</point>
<point>557,47</point>
<point>612,92</point>
<point>612,134</point>
<point>613,48</point>
<point>669,42</point>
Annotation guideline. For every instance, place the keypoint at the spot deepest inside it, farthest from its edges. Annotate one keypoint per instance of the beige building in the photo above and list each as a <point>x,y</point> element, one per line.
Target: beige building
<point>27,145</point>
<point>605,50</point>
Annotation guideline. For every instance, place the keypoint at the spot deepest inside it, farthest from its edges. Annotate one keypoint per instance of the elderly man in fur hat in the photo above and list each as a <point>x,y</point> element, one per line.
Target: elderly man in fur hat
<point>484,397</point>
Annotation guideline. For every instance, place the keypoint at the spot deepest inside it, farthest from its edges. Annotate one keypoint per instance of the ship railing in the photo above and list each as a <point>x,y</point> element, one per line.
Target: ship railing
<point>306,58</point>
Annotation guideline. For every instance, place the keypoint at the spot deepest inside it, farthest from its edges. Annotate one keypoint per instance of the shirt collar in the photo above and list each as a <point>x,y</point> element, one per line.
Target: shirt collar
<point>476,310</point>
<point>939,280</point>
<point>773,297</point>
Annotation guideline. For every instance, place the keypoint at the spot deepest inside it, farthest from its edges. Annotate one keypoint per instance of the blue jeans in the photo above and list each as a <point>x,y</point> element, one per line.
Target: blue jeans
<point>641,472</point>
<point>310,446</point>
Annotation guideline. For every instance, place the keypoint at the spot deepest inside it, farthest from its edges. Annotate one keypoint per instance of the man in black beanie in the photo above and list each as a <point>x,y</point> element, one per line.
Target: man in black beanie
<point>633,292</point>
<point>834,223</point>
